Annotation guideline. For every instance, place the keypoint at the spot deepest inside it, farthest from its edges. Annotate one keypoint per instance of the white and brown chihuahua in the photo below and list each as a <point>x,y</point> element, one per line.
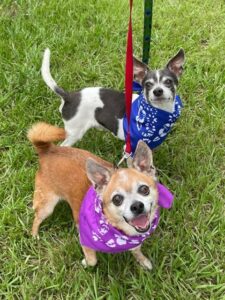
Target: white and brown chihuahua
<point>129,196</point>
<point>105,108</point>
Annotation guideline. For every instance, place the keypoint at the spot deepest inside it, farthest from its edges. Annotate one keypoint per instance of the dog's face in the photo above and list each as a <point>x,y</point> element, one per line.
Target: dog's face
<point>129,196</point>
<point>130,200</point>
<point>160,86</point>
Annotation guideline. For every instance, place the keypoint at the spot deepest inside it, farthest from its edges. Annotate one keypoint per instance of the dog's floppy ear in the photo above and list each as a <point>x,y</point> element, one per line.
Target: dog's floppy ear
<point>140,69</point>
<point>98,174</point>
<point>176,63</point>
<point>143,160</point>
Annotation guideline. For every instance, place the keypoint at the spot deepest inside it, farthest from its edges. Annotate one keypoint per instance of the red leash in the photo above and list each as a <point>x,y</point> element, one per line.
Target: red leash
<point>129,79</point>
<point>128,86</point>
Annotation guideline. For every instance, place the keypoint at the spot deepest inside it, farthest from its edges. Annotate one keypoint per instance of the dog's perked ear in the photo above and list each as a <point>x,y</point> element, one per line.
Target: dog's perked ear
<point>143,160</point>
<point>97,173</point>
<point>140,70</point>
<point>176,63</point>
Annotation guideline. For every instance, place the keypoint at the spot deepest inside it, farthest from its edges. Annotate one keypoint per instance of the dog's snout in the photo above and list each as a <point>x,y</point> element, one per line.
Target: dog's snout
<point>158,92</point>
<point>137,208</point>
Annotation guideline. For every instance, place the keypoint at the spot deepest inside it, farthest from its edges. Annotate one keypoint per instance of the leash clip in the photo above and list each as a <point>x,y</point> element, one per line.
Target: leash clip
<point>125,156</point>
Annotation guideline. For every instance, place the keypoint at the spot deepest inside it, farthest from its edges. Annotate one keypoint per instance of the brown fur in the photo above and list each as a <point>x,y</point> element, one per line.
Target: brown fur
<point>62,175</point>
<point>120,180</point>
<point>41,135</point>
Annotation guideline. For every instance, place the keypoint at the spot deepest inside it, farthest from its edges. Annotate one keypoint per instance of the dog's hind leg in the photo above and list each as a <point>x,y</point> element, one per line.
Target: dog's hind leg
<point>44,202</point>
<point>73,136</point>
<point>43,210</point>
<point>69,141</point>
<point>76,128</point>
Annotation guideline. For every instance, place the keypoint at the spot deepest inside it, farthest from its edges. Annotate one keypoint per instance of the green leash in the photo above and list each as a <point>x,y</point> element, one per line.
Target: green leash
<point>147,30</point>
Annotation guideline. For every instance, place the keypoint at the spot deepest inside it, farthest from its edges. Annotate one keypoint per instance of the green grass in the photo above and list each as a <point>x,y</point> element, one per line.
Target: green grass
<point>87,39</point>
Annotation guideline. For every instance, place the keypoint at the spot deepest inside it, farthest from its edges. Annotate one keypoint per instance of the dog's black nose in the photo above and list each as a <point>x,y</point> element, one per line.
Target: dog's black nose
<point>137,208</point>
<point>158,92</point>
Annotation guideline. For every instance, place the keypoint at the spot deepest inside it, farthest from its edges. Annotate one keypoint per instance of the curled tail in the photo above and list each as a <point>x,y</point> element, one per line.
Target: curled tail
<point>41,135</point>
<point>46,74</point>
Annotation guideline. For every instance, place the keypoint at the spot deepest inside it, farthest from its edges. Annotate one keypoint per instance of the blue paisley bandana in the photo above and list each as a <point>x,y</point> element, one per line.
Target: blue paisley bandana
<point>150,124</point>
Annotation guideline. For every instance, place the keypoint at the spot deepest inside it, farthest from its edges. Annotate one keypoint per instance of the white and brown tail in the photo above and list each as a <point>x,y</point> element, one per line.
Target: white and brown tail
<point>46,74</point>
<point>42,135</point>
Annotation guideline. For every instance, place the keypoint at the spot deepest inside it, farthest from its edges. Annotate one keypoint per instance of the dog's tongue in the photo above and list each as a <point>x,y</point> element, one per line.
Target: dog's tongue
<point>140,221</point>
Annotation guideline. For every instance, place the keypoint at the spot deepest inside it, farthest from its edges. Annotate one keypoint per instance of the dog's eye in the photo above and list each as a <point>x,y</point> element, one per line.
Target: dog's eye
<point>117,199</point>
<point>144,190</point>
<point>148,85</point>
<point>168,81</point>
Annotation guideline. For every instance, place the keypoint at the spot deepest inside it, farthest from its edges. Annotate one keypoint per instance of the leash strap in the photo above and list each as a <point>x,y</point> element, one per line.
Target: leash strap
<point>147,30</point>
<point>129,66</point>
<point>124,157</point>
<point>129,79</point>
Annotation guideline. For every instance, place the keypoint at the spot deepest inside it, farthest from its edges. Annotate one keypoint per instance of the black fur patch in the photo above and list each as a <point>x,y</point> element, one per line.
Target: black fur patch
<point>174,81</point>
<point>60,91</point>
<point>72,102</point>
<point>167,73</point>
<point>152,75</point>
<point>113,109</point>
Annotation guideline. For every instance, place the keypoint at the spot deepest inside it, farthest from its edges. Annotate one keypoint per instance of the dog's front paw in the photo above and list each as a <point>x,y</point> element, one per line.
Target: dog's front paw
<point>84,263</point>
<point>146,263</point>
<point>90,263</point>
<point>35,236</point>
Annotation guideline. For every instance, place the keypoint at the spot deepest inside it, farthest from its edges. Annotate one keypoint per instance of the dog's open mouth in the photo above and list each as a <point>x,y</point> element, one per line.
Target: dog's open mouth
<point>141,223</point>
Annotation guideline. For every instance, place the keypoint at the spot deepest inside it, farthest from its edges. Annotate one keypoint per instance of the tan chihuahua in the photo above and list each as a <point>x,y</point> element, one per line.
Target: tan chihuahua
<point>114,209</point>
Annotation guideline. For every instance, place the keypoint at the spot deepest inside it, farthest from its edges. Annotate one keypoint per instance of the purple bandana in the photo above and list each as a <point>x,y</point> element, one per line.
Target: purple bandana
<point>96,232</point>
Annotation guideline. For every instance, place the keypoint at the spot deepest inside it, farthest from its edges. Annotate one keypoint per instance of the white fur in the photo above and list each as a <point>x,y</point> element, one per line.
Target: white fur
<point>46,74</point>
<point>120,132</point>
<point>45,70</point>
<point>157,76</point>
<point>84,118</point>
<point>167,102</point>
<point>135,196</point>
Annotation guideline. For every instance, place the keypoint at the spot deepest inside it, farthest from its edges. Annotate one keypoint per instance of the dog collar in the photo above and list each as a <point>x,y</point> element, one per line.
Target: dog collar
<point>150,124</point>
<point>98,234</point>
